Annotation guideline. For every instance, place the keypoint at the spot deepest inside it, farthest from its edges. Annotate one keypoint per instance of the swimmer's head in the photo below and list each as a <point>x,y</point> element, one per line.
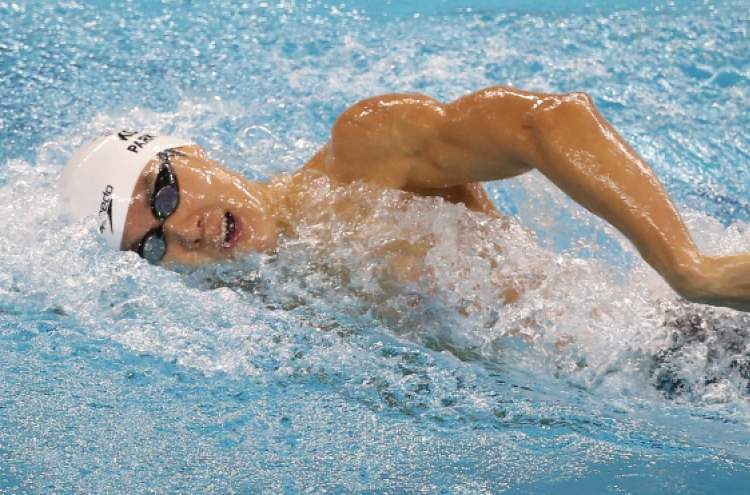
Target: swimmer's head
<point>129,181</point>
<point>101,176</point>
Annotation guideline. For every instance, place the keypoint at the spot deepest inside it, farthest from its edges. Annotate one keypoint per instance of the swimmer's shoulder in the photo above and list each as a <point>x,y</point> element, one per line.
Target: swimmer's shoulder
<point>380,140</point>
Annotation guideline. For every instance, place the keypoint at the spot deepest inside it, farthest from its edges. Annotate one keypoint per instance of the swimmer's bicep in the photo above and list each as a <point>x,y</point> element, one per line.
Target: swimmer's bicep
<point>413,141</point>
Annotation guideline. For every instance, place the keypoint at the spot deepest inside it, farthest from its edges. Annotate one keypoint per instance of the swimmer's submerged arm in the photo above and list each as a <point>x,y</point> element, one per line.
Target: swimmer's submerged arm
<point>411,142</point>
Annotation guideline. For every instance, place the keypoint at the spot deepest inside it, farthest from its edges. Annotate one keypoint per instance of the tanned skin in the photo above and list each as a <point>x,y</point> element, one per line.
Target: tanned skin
<point>415,143</point>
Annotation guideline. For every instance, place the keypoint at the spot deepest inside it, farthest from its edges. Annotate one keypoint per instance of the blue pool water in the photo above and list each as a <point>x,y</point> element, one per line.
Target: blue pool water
<point>311,370</point>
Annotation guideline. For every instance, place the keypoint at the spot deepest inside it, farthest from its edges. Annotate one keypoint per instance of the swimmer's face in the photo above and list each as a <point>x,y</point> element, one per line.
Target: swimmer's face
<point>219,216</point>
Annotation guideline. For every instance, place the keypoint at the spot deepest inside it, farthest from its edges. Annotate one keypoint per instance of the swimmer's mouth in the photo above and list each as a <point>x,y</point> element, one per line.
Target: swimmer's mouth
<point>231,228</point>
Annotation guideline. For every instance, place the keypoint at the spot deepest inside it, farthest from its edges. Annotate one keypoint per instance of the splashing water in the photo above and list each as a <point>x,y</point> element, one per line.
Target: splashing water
<point>375,350</point>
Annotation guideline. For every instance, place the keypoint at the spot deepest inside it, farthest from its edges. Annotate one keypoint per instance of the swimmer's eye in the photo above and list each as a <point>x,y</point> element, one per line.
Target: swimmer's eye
<point>166,195</point>
<point>164,201</point>
<point>153,246</point>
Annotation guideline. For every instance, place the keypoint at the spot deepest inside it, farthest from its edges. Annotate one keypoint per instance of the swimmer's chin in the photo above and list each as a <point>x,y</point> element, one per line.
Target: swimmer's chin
<point>237,258</point>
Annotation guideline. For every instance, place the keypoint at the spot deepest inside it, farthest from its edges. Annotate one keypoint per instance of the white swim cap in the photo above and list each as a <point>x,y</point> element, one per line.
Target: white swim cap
<point>100,177</point>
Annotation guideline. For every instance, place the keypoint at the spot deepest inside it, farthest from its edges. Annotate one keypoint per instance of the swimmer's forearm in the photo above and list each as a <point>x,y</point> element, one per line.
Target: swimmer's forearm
<point>568,141</point>
<point>581,153</point>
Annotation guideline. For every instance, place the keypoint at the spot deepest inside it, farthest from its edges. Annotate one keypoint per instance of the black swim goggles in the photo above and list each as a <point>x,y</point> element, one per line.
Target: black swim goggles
<point>164,202</point>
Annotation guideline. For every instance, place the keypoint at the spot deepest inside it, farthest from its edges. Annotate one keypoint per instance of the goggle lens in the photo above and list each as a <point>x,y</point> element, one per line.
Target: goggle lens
<point>153,247</point>
<point>164,202</point>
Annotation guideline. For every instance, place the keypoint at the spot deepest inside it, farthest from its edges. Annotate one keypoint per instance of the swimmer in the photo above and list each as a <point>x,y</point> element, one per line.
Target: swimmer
<point>165,199</point>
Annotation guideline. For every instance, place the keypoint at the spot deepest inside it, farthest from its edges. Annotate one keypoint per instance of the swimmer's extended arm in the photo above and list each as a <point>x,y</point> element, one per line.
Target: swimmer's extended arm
<point>414,142</point>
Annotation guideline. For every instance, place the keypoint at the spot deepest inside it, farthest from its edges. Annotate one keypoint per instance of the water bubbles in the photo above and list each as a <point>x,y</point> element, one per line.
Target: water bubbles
<point>392,338</point>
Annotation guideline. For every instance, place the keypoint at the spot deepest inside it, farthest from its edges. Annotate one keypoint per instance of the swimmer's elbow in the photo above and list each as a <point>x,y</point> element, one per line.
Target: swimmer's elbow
<point>553,111</point>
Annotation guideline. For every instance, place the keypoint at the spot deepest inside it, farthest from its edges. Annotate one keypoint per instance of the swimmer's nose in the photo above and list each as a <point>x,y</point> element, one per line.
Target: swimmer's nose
<point>188,232</point>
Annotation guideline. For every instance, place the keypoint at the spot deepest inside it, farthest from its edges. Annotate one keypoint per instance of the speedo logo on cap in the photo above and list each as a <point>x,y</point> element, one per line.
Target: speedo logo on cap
<point>137,142</point>
<point>105,210</point>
